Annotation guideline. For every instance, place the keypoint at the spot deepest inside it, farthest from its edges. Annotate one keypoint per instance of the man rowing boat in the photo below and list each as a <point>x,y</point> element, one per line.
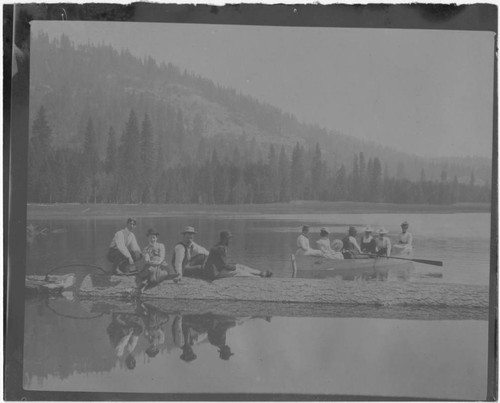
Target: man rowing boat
<point>124,250</point>
<point>383,243</point>
<point>216,265</point>
<point>351,248</point>
<point>189,257</point>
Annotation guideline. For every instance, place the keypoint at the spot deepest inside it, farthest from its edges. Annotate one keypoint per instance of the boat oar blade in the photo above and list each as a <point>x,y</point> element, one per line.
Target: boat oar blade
<point>431,262</point>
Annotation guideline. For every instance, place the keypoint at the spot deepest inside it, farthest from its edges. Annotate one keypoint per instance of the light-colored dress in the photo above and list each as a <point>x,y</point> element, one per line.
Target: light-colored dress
<point>326,248</point>
<point>303,247</point>
<point>404,247</point>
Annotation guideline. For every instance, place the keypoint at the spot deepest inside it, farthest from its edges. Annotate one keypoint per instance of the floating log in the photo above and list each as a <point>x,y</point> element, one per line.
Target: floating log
<point>51,284</point>
<point>331,291</point>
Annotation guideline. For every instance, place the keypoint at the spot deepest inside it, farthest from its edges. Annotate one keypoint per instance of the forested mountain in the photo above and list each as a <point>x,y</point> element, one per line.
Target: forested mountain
<point>130,129</point>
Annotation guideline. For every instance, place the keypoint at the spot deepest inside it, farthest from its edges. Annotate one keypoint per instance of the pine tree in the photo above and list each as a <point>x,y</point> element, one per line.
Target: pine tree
<point>148,163</point>
<point>297,173</point>
<point>90,163</point>
<point>317,174</point>
<point>284,176</point>
<point>130,161</point>
<point>111,159</point>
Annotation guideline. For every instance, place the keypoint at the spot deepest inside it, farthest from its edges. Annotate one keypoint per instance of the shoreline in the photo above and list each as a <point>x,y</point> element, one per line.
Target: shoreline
<point>78,211</point>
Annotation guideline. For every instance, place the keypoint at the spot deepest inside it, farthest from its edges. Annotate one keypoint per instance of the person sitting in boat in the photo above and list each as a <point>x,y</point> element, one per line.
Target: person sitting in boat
<point>155,270</point>
<point>325,246</point>
<point>216,265</point>
<point>383,243</point>
<point>124,250</point>
<point>404,247</point>
<point>303,246</point>
<point>368,244</point>
<point>188,257</point>
<point>351,249</point>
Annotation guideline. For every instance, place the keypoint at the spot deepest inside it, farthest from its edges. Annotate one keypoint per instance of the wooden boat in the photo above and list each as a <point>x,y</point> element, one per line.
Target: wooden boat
<point>289,290</point>
<point>351,269</point>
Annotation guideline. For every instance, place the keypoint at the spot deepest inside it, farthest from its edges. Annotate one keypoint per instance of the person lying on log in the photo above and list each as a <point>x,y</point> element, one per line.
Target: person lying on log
<point>216,265</point>
<point>188,257</point>
<point>124,251</point>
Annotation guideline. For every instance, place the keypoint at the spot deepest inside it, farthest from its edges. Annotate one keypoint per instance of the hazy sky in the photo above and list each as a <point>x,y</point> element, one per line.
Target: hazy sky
<point>427,92</point>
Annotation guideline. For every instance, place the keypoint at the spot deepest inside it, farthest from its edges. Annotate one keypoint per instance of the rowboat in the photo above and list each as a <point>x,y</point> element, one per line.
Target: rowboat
<point>351,269</point>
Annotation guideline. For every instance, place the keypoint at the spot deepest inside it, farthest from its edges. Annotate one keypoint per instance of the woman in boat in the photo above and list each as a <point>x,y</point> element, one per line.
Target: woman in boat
<point>303,247</point>
<point>383,243</point>
<point>351,249</point>
<point>368,244</point>
<point>404,247</point>
<point>337,246</point>
<point>216,265</point>
<point>325,247</point>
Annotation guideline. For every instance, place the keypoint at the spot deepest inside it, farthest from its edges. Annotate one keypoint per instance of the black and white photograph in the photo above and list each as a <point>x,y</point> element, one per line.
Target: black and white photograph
<point>254,208</point>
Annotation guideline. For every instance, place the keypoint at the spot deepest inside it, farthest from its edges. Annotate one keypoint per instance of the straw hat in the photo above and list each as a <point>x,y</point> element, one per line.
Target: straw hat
<point>368,229</point>
<point>382,231</point>
<point>189,230</point>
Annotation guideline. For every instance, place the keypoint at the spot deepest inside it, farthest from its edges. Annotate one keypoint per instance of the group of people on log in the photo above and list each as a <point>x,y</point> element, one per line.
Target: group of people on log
<point>371,243</point>
<point>188,258</point>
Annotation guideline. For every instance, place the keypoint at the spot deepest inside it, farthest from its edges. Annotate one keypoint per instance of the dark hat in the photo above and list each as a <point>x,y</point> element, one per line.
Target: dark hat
<point>188,353</point>
<point>151,231</point>
<point>352,229</point>
<point>405,224</point>
<point>189,230</point>
<point>130,361</point>
<point>305,228</point>
<point>225,353</point>
<point>152,351</point>
<point>225,235</point>
<point>131,220</point>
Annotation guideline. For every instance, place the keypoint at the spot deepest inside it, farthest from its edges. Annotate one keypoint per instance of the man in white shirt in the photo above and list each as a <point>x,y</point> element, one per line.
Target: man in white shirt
<point>188,257</point>
<point>303,246</point>
<point>124,250</point>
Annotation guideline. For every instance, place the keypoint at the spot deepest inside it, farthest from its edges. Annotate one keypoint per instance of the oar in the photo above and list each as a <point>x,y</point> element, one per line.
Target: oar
<point>423,261</point>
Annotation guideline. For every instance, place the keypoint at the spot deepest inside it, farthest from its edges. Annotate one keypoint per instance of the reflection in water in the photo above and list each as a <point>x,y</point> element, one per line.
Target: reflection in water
<point>134,347</point>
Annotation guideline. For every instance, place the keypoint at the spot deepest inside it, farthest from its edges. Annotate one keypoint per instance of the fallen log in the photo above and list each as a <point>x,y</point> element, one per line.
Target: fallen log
<point>377,293</point>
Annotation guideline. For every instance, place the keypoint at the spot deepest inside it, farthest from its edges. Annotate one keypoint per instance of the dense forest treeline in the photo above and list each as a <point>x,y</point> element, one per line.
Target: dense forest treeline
<point>132,170</point>
<point>192,116</point>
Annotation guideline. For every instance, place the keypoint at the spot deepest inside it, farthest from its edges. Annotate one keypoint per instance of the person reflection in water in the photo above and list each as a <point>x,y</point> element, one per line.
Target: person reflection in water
<point>155,321</point>
<point>217,334</point>
<point>124,331</point>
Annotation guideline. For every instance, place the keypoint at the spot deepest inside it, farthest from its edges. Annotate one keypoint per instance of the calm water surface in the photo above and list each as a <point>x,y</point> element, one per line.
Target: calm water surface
<point>71,347</point>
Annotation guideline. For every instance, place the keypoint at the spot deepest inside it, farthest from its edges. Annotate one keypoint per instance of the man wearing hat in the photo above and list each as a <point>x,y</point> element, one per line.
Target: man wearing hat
<point>383,243</point>
<point>404,246</point>
<point>216,265</point>
<point>351,248</point>
<point>124,250</point>
<point>368,244</point>
<point>188,257</point>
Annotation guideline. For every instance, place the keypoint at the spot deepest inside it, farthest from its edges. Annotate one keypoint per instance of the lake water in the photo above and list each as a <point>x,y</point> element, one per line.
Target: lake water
<point>71,347</point>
